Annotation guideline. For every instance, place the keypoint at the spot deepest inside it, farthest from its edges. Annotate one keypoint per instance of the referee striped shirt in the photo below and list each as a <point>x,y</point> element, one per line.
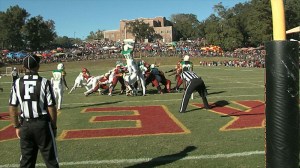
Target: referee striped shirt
<point>34,95</point>
<point>189,75</point>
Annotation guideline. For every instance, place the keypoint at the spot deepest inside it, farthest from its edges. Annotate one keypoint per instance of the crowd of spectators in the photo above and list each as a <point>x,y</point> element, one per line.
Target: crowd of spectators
<point>243,57</point>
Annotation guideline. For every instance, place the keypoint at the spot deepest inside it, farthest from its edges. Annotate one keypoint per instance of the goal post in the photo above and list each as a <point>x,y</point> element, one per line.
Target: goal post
<point>8,71</point>
<point>281,95</point>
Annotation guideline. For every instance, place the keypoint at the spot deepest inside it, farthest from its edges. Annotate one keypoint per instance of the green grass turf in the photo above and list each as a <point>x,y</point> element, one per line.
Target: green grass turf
<point>224,84</point>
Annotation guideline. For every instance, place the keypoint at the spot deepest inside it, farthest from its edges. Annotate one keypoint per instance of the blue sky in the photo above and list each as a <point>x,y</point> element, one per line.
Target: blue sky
<point>79,17</point>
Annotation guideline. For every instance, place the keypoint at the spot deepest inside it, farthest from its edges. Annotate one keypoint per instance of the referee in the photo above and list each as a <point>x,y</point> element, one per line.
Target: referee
<point>193,83</point>
<point>36,124</point>
<point>14,74</point>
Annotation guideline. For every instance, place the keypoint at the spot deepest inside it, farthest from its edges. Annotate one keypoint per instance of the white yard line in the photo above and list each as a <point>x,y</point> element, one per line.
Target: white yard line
<point>233,87</point>
<point>141,160</point>
<point>238,82</point>
<point>139,101</point>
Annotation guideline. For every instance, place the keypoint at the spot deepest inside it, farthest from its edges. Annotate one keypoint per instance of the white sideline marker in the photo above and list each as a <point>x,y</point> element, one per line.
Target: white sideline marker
<point>140,160</point>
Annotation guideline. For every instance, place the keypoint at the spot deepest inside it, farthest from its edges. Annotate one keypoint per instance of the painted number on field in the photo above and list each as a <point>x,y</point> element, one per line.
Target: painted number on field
<point>149,120</point>
<point>251,115</point>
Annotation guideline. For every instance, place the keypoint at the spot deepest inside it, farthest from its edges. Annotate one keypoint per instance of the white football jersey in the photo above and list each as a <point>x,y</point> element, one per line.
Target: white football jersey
<point>57,76</point>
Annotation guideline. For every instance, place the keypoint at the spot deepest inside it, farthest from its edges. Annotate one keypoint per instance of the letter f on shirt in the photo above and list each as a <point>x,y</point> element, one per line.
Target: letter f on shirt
<point>29,89</point>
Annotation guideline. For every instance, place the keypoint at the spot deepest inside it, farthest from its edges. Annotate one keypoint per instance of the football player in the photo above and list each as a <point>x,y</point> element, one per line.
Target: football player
<point>58,82</point>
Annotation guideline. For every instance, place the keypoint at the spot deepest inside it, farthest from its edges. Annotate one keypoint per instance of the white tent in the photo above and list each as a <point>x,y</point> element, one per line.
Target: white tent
<point>128,41</point>
<point>293,30</point>
<point>106,48</point>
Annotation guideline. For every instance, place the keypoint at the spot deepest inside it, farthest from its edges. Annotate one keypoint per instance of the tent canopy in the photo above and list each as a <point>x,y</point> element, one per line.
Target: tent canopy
<point>128,41</point>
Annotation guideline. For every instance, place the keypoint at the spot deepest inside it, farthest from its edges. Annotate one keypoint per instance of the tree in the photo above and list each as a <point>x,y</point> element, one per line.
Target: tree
<point>142,30</point>
<point>4,31</point>
<point>292,13</point>
<point>230,33</point>
<point>259,22</point>
<point>38,34</point>
<point>240,10</point>
<point>64,42</point>
<point>244,25</point>
<point>212,29</point>
<point>186,26</point>
<point>11,23</point>
<point>98,35</point>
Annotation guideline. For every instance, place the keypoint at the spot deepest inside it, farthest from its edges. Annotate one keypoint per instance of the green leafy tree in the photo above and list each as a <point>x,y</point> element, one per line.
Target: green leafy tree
<point>292,15</point>
<point>142,30</point>
<point>230,35</point>
<point>240,11</point>
<point>11,23</point>
<point>259,22</point>
<point>186,25</point>
<point>244,25</point>
<point>212,29</point>
<point>65,42</point>
<point>98,35</point>
<point>38,33</point>
<point>4,31</point>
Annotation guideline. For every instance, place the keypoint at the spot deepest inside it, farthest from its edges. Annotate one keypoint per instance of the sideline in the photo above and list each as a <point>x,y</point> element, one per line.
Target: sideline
<point>140,160</point>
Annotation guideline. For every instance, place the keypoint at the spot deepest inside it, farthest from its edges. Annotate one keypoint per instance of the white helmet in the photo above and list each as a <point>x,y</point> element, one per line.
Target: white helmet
<point>152,66</point>
<point>127,46</point>
<point>60,66</point>
<point>186,58</point>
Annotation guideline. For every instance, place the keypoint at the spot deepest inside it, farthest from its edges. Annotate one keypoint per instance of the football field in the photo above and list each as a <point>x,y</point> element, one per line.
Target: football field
<point>148,131</point>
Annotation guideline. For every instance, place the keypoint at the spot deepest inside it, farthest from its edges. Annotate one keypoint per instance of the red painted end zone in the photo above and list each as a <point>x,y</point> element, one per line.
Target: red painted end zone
<point>252,117</point>
<point>152,120</point>
<point>8,132</point>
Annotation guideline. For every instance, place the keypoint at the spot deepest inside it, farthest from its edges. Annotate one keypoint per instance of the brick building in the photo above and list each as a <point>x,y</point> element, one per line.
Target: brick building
<point>161,26</point>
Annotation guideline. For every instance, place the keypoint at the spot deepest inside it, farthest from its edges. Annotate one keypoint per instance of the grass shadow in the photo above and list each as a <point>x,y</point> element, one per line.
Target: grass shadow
<point>220,103</point>
<point>238,113</point>
<point>216,92</point>
<point>152,91</point>
<point>93,104</point>
<point>163,160</point>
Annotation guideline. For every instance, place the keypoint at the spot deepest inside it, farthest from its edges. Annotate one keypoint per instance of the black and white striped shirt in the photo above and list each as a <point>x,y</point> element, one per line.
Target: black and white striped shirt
<point>188,75</point>
<point>34,95</point>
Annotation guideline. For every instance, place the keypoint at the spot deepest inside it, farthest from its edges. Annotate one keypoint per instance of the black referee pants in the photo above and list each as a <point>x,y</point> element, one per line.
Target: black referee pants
<point>198,85</point>
<point>37,134</point>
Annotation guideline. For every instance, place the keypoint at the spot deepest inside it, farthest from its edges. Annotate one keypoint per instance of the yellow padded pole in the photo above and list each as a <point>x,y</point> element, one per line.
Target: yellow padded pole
<point>278,18</point>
